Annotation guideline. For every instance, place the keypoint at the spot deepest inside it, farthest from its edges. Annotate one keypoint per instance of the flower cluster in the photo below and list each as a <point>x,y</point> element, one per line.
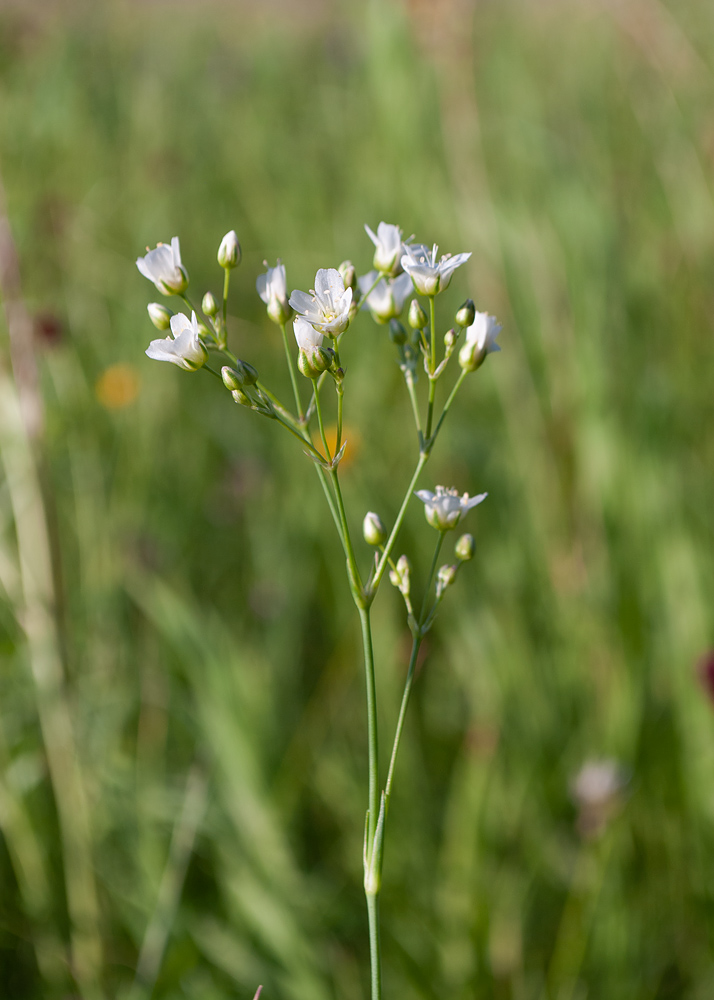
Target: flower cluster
<point>400,270</point>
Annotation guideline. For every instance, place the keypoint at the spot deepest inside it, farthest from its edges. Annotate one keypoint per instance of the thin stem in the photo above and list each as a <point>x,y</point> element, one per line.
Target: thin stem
<point>324,482</point>
<point>379,573</point>
<point>432,323</point>
<point>432,382</point>
<point>372,738</point>
<point>340,393</point>
<point>447,404</point>
<point>320,421</point>
<point>416,644</point>
<point>415,405</point>
<point>430,578</point>
<point>305,440</point>
<point>291,369</point>
<point>374,946</point>
<point>226,283</point>
<point>356,580</point>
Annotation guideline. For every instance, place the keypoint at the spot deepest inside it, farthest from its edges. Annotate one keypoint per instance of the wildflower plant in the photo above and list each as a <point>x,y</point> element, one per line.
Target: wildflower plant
<point>321,318</point>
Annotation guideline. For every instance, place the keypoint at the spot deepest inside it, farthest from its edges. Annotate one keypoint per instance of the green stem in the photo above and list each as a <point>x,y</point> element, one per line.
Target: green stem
<point>383,562</point>
<point>304,440</point>
<point>320,421</point>
<point>226,283</point>
<point>432,382</point>
<point>355,578</point>
<point>374,946</point>
<point>430,578</point>
<point>291,369</point>
<point>415,405</point>
<point>340,393</point>
<point>373,744</point>
<point>416,644</point>
<point>447,404</point>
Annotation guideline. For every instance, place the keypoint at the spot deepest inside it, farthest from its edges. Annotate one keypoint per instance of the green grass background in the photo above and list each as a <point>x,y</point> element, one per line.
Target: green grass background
<point>212,659</point>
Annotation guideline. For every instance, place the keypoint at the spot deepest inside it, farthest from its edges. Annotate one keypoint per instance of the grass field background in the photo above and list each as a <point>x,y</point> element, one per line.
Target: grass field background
<point>182,757</point>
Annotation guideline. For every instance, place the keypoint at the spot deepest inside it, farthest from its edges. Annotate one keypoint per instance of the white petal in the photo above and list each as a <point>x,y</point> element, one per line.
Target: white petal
<point>328,281</point>
<point>425,496</point>
<point>301,301</point>
<point>371,235</point>
<point>176,251</point>
<point>179,323</point>
<point>261,284</point>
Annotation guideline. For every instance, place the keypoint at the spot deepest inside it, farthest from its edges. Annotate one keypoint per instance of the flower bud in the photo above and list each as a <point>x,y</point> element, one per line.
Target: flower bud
<point>444,578</point>
<point>397,333</point>
<point>465,313</point>
<point>238,376</point>
<point>471,356</point>
<point>240,397</point>
<point>348,274</point>
<point>203,329</point>
<point>159,315</point>
<point>313,361</point>
<point>450,338</point>
<point>465,548</point>
<point>229,252</point>
<point>417,316</point>
<point>373,530</point>
<point>400,575</point>
<point>209,304</point>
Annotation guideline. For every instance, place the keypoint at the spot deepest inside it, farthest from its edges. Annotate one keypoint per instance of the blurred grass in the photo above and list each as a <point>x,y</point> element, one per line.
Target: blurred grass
<point>204,617</point>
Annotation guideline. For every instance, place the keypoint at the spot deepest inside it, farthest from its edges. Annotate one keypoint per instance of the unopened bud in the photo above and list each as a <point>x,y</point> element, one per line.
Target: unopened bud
<point>240,397</point>
<point>417,316</point>
<point>465,547</point>
<point>465,314</point>
<point>373,530</point>
<point>239,375</point>
<point>400,575</point>
<point>209,304</point>
<point>313,361</point>
<point>159,315</point>
<point>229,252</point>
<point>397,333</point>
<point>444,578</point>
<point>348,274</point>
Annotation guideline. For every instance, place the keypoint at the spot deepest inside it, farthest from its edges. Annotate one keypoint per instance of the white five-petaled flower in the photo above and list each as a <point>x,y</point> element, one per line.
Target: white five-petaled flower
<point>272,288</point>
<point>445,508</point>
<point>327,308</point>
<point>388,247</point>
<point>387,298</point>
<point>480,341</point>
<point>163,266</point>
<point>306,334</point>
<point>185,348</point>
<point>429,275</point>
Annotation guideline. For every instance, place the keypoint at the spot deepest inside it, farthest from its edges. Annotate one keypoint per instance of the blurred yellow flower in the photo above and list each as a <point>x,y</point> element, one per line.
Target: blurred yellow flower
<point>117,386</point>
<point>349,434</point>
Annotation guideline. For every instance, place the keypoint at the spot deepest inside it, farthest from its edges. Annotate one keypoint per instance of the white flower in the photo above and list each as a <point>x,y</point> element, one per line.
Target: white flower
<point>306,334</point>
<point>388,244</point>
<point>480,341</point>
<point>272,288</point>
<point>429,275</point>
<point>328,306</point>
<point>163,266</point>
<point>185,348</point>
<point>445,508</point>
<point>387,298</point>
